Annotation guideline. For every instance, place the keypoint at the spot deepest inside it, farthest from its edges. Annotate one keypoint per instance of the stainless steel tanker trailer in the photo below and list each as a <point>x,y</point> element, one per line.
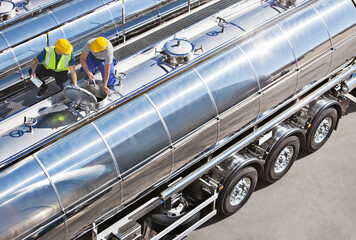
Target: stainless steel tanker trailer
<point>193,122</point>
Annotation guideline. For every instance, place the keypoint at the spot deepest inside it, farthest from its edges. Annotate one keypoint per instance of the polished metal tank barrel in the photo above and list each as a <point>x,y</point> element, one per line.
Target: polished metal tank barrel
<point>264,58</point>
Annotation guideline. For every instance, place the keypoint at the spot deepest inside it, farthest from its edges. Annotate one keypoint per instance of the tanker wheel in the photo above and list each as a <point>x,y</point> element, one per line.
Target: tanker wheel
<point>281,159</point>
<point>163,218</point>
<point>322,127</point>
<point>238,188</point>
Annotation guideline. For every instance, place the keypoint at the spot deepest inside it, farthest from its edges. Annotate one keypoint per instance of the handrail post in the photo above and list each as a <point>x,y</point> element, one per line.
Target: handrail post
<point>123,21</point>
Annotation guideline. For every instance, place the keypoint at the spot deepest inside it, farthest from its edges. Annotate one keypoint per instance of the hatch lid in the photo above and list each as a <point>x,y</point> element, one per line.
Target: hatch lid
<point>178,47</point>
<point>80,96</point>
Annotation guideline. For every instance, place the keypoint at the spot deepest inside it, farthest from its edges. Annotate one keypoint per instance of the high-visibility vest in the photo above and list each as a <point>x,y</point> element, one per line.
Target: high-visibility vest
<point>50,60</point>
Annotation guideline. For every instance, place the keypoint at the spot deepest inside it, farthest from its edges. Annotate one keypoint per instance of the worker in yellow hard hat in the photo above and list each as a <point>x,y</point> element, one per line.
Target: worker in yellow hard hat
<point>56,61</point>
<point>98,53</point>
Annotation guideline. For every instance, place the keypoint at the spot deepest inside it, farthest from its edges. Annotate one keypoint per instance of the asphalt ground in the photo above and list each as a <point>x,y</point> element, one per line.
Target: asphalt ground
<point>316,199</point>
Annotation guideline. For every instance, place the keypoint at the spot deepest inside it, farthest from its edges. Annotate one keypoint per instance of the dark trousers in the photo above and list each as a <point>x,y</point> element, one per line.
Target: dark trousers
<point>62,78</point>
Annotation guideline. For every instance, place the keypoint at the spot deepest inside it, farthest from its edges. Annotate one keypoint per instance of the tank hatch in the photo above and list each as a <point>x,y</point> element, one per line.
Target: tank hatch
<point>81,97</point>
<point>90,97</point>
<point>178,51</point>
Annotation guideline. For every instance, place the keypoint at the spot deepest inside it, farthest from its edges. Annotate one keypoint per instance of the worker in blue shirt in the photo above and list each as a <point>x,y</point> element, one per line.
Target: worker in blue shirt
<point>56,61</point>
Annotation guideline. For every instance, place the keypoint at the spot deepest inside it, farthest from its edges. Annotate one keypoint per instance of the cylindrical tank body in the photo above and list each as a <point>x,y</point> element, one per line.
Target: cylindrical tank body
<point>60,190</point>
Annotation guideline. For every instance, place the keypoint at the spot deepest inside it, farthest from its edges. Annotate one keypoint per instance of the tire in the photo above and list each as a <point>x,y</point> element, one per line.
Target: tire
<point>319,124</point>
<point>281,159</point>
<point>160,220</point>
<point>147,229</point>
<point>248,178</point>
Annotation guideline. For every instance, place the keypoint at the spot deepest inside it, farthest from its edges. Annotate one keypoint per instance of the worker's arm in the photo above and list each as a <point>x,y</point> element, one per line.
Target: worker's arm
<point>34,66</point>
<point>83,61</point>
<point>73,74</point>
<point>106,77</point>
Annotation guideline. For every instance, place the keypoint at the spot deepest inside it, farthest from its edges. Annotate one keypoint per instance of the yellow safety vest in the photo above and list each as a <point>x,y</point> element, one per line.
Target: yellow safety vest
<point>50,60</point>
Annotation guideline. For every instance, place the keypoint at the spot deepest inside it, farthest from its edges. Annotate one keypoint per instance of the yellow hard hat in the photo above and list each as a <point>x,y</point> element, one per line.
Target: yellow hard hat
<point>99,44</point>
<point>64,46</point>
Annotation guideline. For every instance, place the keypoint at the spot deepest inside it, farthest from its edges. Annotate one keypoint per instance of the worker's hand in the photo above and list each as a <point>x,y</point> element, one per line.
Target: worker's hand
<point>91,76</point>
<point>107,90</point>
<point>33,74</point>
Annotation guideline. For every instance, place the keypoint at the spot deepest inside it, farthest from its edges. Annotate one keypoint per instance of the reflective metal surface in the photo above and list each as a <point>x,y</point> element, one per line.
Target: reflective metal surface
<point>309,39</point>
<point>227,74</point>
<point>273,61</point>
<point>79,165</point>
<point>97,23</point>
<point>184,104</point>
<point>109,157</point>
<point>195,145</point>
<point>240,191</point>
<point>93,210</point>
<point>260,14</point>
<point>77,21</point>
<point>283,159</point>
<point>178,51</point>
<point>252,137</point>
<point>13,69</point>
<point>83,172</point>
<point>9,65</point>
<point>21,208</point>
<point>323,130</point>
<point>80,96</point>
<point>55,119</point>
<point>71,9</point>
<point>11,34</point>
<point>134,133</point>
<point>341,25</point>
<point>339,17</point>
<point>235,119</point>
<point>154,170</point>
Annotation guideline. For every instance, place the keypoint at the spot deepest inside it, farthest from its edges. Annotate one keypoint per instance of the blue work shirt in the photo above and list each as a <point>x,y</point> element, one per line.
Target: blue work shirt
<point>42,55</point>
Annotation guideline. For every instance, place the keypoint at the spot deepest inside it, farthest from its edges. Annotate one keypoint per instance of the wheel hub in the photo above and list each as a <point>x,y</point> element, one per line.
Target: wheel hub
<point>323,130</point>
<point>283,159</point>
<point>175,211</point>
<point>240,191</point>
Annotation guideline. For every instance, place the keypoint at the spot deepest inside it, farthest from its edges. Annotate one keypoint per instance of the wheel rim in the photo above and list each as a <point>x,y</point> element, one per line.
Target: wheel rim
<point>323,130</point>
<point>283,159</point>
<point>175,211</point>
<point>240,191</point>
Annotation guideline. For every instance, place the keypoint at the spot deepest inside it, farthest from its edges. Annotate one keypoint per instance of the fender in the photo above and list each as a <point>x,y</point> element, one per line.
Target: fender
<point>323,103</point>
<point>279,133</point>
<point>235,163</point>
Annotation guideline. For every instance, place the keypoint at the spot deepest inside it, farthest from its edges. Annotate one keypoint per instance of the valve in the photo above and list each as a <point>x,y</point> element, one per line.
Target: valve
<point>120,76</point>
<point>30,122</point>
<point>222,23</point>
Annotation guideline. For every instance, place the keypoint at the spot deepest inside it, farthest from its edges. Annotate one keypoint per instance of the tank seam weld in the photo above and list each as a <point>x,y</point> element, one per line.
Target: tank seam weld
<point>111,154</point>
<point>327,30</point>
<point>54,189</point>
<point>256,77</point>
<point>165,128</point>
<point>213,102</point>
<point>295,56</point>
